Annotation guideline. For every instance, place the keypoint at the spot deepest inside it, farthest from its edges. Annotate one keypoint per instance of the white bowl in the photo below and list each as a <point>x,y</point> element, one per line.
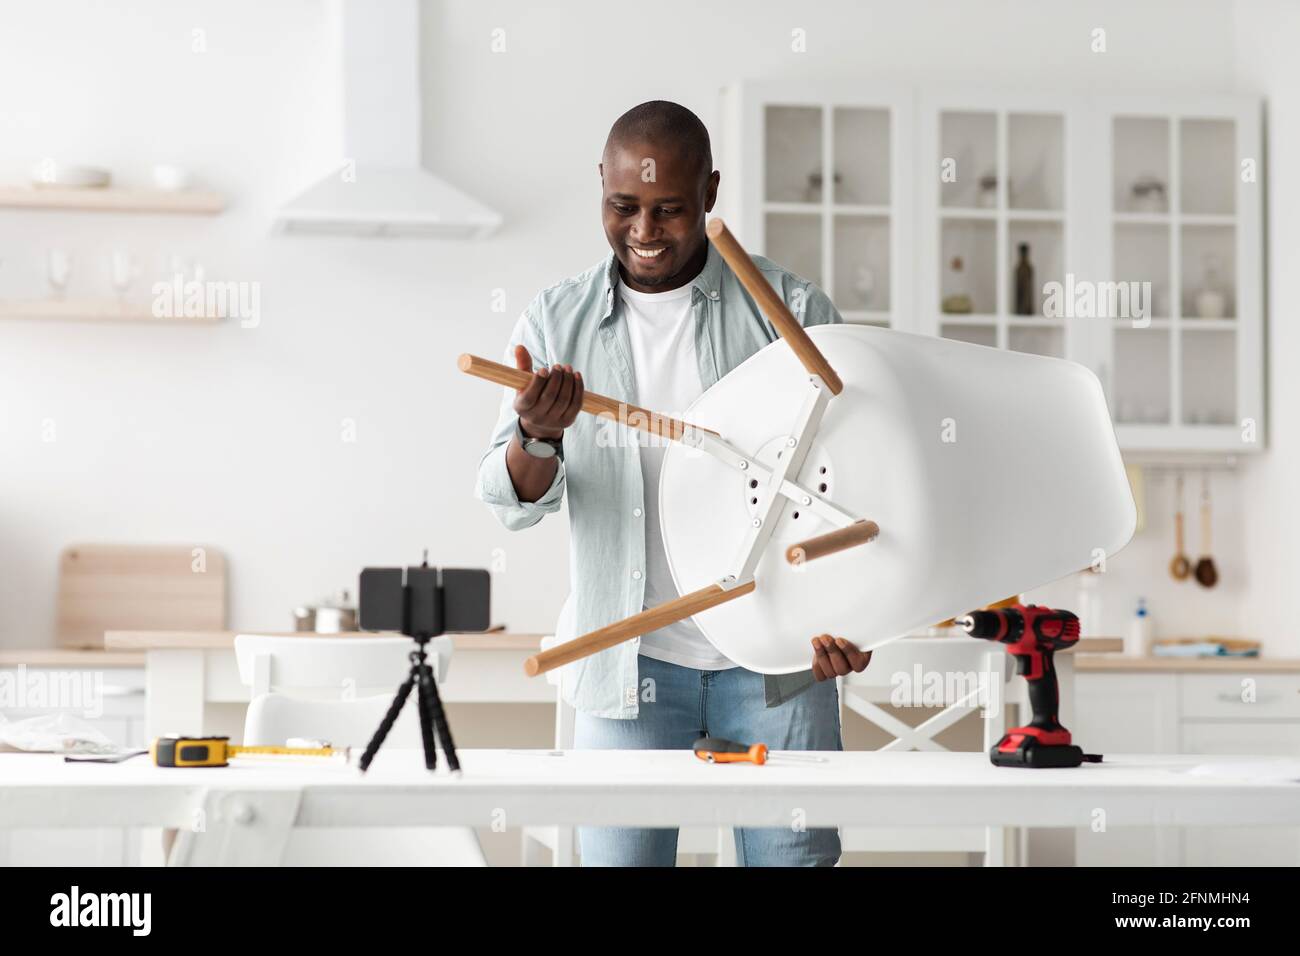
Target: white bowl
<point>50,173</point>
<point>170,178</point>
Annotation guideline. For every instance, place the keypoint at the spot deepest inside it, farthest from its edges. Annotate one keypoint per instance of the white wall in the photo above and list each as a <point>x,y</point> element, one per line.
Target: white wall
<point>231,436</point>
<point>1266,35</point>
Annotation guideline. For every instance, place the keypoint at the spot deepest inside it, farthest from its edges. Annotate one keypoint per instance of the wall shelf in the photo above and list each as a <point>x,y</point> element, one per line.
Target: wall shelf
<point>967,318</point>
<point>112,199</point>
<point>93,310</point>
<point>1036,215</point>
<point>956,212</point>
<point>1034,322</point>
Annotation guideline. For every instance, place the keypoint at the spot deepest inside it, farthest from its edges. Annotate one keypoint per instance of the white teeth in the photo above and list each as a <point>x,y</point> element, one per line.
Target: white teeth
<point>645,253</point>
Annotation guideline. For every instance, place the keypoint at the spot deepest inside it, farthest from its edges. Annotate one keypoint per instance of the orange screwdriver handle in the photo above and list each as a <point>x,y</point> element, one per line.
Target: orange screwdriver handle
<point>755,754</point>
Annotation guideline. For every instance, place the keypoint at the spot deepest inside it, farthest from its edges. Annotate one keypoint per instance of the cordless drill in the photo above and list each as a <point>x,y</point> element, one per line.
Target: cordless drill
<point>1033,634</point>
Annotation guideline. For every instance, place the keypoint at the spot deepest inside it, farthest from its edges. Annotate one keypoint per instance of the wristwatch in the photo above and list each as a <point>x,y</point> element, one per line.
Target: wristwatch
<point>539,447</point>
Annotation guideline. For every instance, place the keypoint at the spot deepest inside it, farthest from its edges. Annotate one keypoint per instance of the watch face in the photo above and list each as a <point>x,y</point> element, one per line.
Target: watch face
<point>539,448</point>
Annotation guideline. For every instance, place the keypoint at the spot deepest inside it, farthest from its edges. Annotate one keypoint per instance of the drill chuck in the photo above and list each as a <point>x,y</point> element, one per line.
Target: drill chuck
<point>990,625</point>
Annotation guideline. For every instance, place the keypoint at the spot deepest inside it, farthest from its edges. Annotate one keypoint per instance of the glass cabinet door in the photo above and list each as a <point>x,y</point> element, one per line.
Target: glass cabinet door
<point>1174,241</point>
<point>829,199</point>
<point>1001,213</point>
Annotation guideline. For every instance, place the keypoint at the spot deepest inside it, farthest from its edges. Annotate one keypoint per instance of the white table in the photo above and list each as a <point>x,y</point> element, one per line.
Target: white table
<point>246,811</point>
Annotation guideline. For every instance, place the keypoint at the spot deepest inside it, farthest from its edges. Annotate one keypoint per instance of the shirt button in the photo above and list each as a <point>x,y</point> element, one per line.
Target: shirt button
<point>636,512</point>
<point>713,293</point>
<point>636,575</point>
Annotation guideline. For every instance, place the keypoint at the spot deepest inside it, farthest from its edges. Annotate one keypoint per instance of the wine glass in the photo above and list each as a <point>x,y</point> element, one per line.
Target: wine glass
<point>122,270</point>
<point>59,271</point>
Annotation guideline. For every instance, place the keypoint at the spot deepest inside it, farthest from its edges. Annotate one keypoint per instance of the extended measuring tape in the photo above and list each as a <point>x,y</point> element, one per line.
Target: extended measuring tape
<point>178,751</point>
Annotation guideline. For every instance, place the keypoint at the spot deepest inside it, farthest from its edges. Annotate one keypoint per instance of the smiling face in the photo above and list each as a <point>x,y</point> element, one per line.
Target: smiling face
<point>653,204</point>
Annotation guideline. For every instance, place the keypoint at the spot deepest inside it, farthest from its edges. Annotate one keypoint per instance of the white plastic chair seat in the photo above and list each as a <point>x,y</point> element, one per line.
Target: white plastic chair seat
<point>960,526</point>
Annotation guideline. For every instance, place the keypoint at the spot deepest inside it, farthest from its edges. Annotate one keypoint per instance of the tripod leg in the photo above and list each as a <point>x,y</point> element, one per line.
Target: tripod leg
<point>426,719</point>
<point>386,724</point>
<point>430,688</point>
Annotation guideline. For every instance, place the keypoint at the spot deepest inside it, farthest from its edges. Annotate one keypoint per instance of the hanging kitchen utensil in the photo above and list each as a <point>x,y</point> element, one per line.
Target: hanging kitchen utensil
<point>866,483</point>
<point>1207,575</point>
<point>1180,567</point>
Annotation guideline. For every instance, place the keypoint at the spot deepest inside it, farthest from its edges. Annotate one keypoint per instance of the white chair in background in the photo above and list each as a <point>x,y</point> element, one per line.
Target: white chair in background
<point>955,674</point>
<point>338,689</point>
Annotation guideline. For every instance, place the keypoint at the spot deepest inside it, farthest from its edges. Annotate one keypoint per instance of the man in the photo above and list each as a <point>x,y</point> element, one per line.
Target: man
<point>654,324</point>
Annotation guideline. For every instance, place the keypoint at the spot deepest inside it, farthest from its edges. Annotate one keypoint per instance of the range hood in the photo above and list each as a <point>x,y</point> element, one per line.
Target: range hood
<point>382,190</point>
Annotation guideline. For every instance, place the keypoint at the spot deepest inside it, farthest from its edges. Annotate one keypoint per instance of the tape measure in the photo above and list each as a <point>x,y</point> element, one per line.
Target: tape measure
<point>175,750</point>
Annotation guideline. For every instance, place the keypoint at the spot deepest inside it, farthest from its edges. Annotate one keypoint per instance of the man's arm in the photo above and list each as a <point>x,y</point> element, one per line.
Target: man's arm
<point>518,487</point>
<point>543,411</point>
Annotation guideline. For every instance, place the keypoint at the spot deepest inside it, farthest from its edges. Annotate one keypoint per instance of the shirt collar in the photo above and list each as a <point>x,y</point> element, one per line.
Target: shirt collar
<point>708,282</point>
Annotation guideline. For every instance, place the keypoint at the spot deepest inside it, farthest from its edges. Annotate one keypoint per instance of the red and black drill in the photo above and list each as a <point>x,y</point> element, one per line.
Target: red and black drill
<point>1033,634</point>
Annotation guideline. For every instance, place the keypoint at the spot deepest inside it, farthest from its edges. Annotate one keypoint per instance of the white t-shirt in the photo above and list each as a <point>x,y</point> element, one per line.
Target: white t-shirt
<point>662,332</point>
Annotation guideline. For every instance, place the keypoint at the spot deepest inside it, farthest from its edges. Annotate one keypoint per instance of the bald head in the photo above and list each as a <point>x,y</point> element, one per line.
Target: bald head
<point>657,185</point>
<point>665,125</point>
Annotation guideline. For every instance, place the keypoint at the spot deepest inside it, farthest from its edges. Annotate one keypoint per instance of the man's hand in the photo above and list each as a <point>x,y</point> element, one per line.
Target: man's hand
<point>551,401</point>
<point>834,656</point>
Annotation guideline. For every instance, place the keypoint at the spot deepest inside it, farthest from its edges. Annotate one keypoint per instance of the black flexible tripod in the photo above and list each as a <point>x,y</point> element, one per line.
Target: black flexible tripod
<point>422,603</point>
<point>432,716</point>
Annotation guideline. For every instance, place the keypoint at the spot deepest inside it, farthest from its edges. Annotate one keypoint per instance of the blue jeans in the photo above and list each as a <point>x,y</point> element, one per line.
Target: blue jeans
<point>688,704</point>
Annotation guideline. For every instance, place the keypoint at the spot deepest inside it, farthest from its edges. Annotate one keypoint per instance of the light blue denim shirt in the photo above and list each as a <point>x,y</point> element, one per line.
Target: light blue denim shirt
<point>580,322</point>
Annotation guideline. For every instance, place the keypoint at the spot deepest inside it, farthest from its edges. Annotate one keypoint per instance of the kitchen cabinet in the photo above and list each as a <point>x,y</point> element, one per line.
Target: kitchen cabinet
<point>1125,716</point>
<point>1138,218</point>
<point>821,182</point>
<point>1189,709</point>
<point>1141,220</point>
<point>1190,378</point>
<point>999,183</point>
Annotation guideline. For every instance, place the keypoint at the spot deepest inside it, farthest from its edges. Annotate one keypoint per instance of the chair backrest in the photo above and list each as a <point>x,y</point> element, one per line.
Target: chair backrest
<point>273,719</point>
<point>331,667</point>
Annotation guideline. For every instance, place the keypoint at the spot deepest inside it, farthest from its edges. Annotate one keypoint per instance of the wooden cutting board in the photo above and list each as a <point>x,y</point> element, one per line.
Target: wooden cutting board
<point>138,587</point>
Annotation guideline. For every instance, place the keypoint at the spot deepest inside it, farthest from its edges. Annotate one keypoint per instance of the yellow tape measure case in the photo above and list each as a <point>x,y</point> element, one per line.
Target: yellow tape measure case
<point>178,751</point>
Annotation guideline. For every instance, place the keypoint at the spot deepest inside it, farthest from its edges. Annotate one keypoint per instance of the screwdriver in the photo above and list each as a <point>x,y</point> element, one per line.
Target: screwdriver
<point>721,750</point>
